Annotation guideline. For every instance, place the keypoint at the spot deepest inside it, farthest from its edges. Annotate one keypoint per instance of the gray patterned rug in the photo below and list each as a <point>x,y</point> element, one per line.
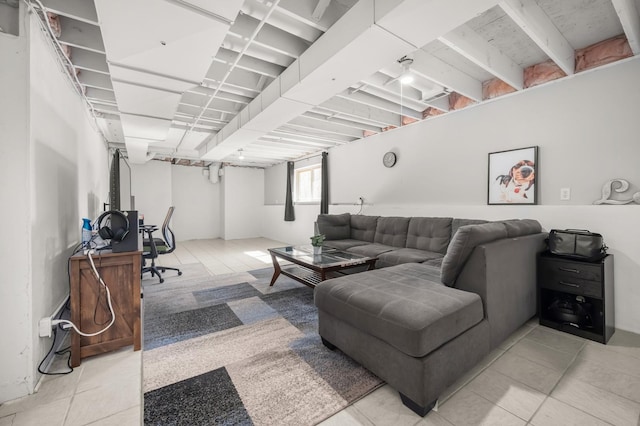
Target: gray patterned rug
<point>230,350</point>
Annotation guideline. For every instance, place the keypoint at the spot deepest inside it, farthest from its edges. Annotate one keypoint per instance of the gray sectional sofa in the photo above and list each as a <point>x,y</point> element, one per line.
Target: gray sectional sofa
<point>445,292</point>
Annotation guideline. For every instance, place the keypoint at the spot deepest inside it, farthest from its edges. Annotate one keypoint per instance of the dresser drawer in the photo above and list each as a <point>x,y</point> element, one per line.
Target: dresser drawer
<point>551,268</point>
<point>568,285</point>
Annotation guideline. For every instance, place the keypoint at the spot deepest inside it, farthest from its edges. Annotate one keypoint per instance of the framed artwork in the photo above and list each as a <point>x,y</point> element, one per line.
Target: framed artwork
<point>513,176</point>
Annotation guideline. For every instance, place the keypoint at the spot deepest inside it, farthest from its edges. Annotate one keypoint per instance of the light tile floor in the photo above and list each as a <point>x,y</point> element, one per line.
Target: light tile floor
<point>538,376</point>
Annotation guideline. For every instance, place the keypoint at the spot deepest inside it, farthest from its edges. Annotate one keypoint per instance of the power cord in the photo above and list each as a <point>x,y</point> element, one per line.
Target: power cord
<point>113,315</point>
<point>60,352</point>
<point>361,204</point>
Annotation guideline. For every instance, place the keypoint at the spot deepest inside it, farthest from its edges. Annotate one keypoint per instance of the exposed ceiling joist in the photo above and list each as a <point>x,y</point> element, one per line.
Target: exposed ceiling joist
<point>376,102</point>
<point>249,63</point>
<point>537,25</point>
<point>285,21</point>
<point>321,7</point>
<point>302,10</point>
<point>630,20</point>
<point>86,59</point>
<point>325,126</point>
<point>81,34</point>
<point>354,121</point>
<point>97,80</point>
<point>80,10</point>
<point>445,75</point>
<point>334,118</point>
<point>469,44</point>
<point>210,78</point>
<point>269,36</point>
<point>306,140</point>
<point>101,95</point>
<point>359,110</point>
<point>331,140</point>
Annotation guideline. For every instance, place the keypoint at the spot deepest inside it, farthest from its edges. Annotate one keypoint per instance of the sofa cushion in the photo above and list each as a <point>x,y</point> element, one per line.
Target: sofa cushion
<point>392,231</point>
<point>463,243</point>
<point>429,233</point>
<point>405,255</point>
<point>521,227</point>
<point>344,244</point>
<point>403,305</point>
<point>457,223</point>
<point>371,250</point>
<point>436,263</point>
<point>363,227</point>
<point>335,226</point>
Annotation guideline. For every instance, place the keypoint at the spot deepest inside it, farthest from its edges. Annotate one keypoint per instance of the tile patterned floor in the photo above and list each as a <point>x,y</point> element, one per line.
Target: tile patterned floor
<point>538,376</point>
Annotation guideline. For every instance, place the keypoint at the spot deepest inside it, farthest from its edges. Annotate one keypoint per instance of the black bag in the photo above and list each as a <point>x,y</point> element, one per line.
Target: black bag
<point>577,244</point>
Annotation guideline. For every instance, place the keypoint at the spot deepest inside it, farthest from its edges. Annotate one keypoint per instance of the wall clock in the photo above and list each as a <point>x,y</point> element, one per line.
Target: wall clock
<point>389,159</point>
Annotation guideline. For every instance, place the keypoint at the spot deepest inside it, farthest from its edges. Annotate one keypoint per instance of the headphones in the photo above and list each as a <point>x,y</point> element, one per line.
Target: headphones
<point>116,234</point>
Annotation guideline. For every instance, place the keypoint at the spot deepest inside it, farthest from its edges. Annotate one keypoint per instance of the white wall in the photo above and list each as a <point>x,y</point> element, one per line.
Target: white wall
<point>151,186</point>
<point>586,128</point>
<point>157,185</point>
<point>16,242</point>
<point>57,173</point>
<point>198,201</point>
<point>243,202</point>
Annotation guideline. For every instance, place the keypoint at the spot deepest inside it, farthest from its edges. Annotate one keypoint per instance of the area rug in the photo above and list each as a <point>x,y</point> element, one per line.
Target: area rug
<point>230,350</point>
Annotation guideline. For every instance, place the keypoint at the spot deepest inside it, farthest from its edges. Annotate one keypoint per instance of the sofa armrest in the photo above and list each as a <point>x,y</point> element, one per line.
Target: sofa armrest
<point>503,274</point>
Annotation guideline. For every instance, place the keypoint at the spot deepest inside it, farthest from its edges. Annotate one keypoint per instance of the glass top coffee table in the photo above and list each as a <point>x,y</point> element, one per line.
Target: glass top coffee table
<point>311,269</point>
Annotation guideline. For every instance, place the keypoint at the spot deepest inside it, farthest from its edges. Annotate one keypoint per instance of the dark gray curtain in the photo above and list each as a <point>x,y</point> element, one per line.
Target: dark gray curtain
<point>289,215</point>
<point>324,190</point>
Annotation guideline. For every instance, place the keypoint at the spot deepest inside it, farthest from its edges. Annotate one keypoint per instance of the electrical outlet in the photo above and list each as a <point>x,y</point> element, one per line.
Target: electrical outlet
<point>565,194</point>
<point>44,327</point>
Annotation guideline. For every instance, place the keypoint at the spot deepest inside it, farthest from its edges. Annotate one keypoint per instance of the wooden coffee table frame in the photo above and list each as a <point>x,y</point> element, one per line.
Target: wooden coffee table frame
<point>312,274</point>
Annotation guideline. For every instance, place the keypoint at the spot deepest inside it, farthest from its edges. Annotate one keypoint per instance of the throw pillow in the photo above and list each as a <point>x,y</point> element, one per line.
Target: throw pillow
<point>462,244</point>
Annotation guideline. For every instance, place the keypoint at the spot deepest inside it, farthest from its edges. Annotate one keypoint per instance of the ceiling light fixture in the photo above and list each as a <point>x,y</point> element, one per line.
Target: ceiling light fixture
<point>406,77</point>
<point>241,154</point>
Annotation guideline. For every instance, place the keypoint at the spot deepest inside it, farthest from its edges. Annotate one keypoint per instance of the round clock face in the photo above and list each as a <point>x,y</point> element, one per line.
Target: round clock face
<point>389,159</point>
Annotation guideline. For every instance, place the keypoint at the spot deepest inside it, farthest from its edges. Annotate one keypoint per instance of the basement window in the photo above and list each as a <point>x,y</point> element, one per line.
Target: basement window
<point>308,181</point>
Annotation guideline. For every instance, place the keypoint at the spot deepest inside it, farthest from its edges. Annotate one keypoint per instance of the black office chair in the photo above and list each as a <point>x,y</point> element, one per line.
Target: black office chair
<point>154,247</point>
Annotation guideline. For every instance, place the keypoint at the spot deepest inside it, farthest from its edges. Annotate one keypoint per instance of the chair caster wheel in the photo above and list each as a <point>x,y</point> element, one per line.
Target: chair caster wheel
<point>179,272</point>
<point>161,280</point>
<point>163,270</point>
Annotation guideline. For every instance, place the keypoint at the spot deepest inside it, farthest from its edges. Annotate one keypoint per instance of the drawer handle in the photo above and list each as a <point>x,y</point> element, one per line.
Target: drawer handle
<point>569,284</point>
<point>575,271</point>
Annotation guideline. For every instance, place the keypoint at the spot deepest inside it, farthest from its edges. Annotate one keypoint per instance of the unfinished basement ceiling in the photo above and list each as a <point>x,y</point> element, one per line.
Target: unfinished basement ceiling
<point>198,81</point>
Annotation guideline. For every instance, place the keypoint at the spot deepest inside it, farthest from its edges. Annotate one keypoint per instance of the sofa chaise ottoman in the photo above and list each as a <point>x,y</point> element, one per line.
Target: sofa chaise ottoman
<point>420,327</point>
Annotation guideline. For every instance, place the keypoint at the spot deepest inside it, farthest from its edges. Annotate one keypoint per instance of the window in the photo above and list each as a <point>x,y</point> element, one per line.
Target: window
<point>308,181</point>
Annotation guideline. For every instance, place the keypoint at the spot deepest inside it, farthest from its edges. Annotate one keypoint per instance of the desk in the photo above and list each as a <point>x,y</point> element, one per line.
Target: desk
<point>89,309</point>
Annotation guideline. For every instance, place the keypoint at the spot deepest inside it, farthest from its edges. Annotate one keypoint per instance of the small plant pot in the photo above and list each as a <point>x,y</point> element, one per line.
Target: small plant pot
<point>317,249</point>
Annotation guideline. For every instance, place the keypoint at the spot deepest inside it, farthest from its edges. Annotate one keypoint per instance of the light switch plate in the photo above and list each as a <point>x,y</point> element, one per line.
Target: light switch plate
<point>565,194</point>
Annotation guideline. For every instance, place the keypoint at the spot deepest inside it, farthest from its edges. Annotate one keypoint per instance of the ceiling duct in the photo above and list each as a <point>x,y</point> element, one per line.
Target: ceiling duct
<point>214,172</point>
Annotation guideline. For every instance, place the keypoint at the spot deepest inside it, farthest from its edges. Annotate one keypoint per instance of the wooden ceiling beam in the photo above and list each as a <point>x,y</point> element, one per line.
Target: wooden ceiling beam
<point>630,20</point>
<point>536,24</point>
<point>472,46</point>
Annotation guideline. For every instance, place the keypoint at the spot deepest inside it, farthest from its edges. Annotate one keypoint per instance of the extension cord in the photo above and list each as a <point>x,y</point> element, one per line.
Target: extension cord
<point>46,324</point>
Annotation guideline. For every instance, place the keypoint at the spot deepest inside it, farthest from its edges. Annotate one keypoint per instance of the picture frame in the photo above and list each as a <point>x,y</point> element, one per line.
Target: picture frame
<point>513,177</point>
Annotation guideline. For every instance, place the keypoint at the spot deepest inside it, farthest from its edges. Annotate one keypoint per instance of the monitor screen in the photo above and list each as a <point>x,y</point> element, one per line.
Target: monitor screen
<point>114,182</point>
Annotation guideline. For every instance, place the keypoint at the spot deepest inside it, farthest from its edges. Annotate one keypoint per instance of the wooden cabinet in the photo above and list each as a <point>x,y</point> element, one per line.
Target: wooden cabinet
<point>89,306</point>
<point>576,296</point>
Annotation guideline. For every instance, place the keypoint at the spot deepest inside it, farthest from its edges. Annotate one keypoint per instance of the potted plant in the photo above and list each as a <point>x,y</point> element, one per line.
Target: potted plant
<point>316,242</point>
